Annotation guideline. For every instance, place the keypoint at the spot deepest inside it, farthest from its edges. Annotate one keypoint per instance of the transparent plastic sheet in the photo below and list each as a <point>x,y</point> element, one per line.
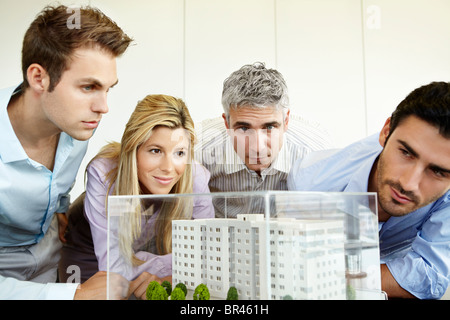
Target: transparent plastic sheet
<point>270,245</point>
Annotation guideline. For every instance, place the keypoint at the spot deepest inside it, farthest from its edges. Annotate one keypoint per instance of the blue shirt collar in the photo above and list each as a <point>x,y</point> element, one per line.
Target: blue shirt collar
<point>359,180</point>
<point>10,147</point>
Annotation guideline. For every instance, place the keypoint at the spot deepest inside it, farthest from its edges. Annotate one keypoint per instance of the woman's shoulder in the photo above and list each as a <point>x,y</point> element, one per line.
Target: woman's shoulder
<point>99,169</point>
<point>101,164</point>
<point>200,177</point>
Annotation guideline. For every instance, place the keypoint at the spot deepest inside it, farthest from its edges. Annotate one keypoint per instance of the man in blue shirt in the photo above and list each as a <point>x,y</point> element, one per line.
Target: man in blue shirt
<point>45,124</point>
<point>408,165</point>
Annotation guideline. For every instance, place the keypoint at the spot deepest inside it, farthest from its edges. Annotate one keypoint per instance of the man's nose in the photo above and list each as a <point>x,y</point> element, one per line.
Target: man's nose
<point>101,104</point>
<point>258,141</point>
<point>411,177</point>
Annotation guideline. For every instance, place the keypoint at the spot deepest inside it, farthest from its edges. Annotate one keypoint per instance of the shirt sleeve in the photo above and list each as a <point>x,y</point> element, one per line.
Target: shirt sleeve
<point>424,270</point>
<point>64,203</point>
<point>13,289</point>
<point>203,206</point>
<point>95,211</point>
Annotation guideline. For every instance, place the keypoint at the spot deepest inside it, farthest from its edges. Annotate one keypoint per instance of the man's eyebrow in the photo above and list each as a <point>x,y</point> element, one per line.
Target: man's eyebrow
<point>408,148</point>
<point>115,83</point>
<point>272,124</point>
<point>414,153</point>
<point>435,167</point>
<point>241,123</point>
<point>246,124</point>
<point>97,83</point>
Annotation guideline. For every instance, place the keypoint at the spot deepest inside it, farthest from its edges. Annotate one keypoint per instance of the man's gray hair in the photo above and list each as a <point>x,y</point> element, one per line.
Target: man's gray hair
<point>255,86</point>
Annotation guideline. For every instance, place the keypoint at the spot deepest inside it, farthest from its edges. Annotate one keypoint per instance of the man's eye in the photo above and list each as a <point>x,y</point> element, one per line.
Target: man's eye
<point>406,153</point>
<point>438,173</point>
<point>88,88</point>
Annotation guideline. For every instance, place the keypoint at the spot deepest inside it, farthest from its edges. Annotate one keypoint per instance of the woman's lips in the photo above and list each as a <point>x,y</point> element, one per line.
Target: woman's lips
<point>164,180</point>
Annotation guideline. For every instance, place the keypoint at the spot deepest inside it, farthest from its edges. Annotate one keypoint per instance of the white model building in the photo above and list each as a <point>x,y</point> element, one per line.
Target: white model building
<point>262,259</point>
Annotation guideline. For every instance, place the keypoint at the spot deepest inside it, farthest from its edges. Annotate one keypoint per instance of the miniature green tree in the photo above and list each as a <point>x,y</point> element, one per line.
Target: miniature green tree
<point>177,294</point>
<point>159,293</point>
<point>168,286</point>
<point>151,287</point>
<point>201,292</point>
<point>351,293</point>
<point>232,294</point>
<point>182,286</point>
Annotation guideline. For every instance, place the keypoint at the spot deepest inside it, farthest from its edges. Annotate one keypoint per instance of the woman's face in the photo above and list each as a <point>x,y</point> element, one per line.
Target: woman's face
<point>162,159</point>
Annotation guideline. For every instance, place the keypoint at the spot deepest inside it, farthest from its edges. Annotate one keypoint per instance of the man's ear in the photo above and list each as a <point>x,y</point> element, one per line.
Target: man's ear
<point>38,78</point>
<point>225,120</point>
<point>286,120</point>
<point>385,132</point>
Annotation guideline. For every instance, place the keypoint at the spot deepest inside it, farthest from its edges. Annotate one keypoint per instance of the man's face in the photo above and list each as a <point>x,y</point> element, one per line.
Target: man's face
<point>257,134</point>
<point>413,169</point>
<point>78,101</point>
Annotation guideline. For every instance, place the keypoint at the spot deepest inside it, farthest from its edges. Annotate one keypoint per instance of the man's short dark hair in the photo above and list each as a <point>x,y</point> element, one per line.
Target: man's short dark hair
<point>430,103</point>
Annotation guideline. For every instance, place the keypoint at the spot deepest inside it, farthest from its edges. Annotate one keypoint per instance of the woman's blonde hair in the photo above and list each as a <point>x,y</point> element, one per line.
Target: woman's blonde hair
<point>151,112</point>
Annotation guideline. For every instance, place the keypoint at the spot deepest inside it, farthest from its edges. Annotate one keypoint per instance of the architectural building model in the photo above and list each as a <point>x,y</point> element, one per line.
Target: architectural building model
<point>263,259</point>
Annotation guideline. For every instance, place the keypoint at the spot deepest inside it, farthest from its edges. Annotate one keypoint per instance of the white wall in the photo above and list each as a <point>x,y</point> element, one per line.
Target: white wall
<point>347,63</point>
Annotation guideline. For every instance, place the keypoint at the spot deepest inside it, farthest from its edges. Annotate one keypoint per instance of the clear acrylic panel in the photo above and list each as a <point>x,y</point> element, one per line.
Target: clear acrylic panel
<point>269,245</point>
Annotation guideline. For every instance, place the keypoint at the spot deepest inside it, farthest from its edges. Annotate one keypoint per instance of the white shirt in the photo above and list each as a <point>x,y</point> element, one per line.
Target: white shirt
<point>13,289</point>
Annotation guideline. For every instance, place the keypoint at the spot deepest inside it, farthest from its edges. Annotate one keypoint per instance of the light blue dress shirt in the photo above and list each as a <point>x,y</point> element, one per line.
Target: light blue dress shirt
<point>415,247</point>
<point>30,193</point>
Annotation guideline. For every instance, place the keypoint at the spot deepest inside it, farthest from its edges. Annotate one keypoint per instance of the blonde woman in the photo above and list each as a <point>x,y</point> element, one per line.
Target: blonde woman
<point>154,157</point>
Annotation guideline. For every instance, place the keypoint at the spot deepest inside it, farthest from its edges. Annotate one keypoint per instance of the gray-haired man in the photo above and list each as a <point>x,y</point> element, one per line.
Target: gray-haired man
<point>255,144</point>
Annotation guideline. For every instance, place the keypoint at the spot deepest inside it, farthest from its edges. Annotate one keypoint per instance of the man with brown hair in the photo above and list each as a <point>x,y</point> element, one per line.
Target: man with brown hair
<point>45,123</point>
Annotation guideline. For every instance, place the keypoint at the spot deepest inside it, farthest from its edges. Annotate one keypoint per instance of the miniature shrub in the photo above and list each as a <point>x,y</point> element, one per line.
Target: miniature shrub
<point>201,292</point>
<point>351,293</point>
<point>159,293</point>
<point>177,294</point>
<point>182,286</point>
<point>168,286</point>
<point>232,294</point>
<point>151,287</point>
